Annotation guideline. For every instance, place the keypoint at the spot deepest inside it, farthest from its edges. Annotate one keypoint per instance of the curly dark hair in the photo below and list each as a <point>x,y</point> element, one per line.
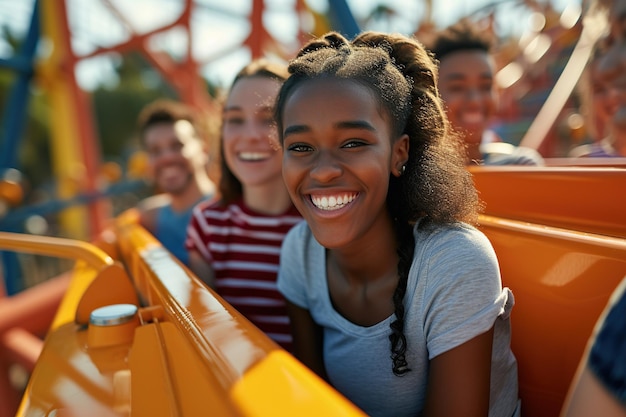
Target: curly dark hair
<point>229,186</point>
<point>464,35</point>
<point>436,185</point>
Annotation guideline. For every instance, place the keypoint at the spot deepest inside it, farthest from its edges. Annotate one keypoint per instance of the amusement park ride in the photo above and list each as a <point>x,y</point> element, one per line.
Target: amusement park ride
<point>130,331</point>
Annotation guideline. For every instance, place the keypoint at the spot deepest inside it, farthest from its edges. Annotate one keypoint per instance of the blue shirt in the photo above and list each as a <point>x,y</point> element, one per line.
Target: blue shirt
<point>171,230</point>
<point>607,358</point>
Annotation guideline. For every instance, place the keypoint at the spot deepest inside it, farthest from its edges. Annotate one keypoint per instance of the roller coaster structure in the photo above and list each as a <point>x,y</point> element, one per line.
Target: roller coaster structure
<point>75,151</point>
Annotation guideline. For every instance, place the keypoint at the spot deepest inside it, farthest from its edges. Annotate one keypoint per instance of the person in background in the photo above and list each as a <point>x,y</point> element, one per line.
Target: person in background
<point>394,297</point>
<point>604,102</point>
<point>466,84</point>
<point>599,386</point>
<point>177,163</point>
<point>234,242</point>
<point>608,79</point>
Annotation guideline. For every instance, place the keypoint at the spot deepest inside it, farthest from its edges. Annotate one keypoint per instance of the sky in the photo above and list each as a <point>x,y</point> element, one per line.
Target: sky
<point>219,27</point>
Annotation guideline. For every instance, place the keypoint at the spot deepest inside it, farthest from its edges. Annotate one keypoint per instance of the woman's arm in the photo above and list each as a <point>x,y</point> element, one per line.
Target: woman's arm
<point>307,339</point>
<point>598,386</point>
<point>201,268</point>
<point>589,397</point>
<point>459,380</point>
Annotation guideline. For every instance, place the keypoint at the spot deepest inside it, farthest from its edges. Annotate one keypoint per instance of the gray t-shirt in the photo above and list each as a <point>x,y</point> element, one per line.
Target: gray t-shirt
<point>454,293</point>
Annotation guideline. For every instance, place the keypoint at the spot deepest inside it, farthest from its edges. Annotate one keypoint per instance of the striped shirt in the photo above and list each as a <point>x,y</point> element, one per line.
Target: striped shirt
<point>243,248</point>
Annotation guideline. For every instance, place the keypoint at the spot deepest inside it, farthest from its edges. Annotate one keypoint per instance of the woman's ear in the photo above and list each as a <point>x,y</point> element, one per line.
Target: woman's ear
<point>399,155</point>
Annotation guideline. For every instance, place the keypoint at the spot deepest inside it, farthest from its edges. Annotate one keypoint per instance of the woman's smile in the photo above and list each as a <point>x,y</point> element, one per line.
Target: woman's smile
<point>254,156</point>
<point>332,202</point>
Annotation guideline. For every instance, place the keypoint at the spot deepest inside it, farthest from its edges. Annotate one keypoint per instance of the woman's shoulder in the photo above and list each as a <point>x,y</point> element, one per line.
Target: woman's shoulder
<point>300,243</point>
<point>460,239</point>
<point>443,232</point>
<point>300,232</point>
<point>300,251</point>
<point>453,257</point>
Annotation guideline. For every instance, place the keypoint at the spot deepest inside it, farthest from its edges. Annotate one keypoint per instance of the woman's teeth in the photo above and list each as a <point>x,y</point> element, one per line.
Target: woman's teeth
<point>332,202</point>
<point>253,156</point>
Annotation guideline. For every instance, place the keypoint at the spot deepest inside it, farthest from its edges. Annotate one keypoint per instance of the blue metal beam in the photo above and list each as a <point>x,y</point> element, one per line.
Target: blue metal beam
<point>11,128</point>
<point>14,118</point>
<point>342,19</point>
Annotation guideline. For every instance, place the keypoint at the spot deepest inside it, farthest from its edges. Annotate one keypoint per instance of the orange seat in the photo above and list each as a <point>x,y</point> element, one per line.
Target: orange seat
<point>578,198</point>
<point>560,236</point>
<point>561,280</point>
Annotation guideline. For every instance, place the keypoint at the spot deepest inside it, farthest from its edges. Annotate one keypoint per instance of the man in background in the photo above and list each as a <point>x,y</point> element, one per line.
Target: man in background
<point>466,84</point>
<point>178,165</point>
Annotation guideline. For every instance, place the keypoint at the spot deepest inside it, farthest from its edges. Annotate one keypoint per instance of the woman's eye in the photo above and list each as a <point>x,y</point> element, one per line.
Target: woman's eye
<point>233,120</point>
<point>299,147</point>
<point>354,144</point>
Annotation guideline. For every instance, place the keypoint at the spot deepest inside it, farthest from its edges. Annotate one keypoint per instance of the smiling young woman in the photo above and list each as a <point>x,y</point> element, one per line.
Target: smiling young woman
<point>234,243</point>
<point>394,297</point>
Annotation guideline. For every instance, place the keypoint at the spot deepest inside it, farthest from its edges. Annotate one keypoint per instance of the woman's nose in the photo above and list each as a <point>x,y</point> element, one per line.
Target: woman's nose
<point>325,167</point>
<point>254,131</point>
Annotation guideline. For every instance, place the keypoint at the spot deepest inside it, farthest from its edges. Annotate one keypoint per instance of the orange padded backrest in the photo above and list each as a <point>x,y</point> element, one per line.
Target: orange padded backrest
<point>589,199</point>
<point>561,280</point>
<point>560,237</point>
